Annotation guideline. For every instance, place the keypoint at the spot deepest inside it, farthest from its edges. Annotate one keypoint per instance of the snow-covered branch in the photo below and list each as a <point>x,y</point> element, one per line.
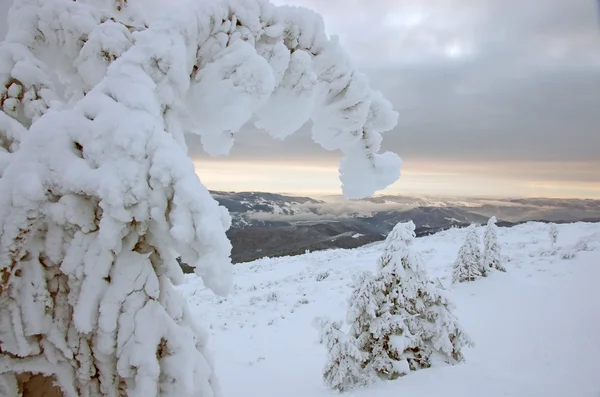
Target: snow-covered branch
<point>98,196</point>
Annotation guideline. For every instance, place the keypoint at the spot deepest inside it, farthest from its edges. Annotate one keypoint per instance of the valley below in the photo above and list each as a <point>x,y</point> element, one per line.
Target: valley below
<point>274,225</point>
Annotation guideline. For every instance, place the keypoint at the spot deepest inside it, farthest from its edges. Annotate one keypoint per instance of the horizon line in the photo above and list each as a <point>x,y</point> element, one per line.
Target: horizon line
<point>312,194</point>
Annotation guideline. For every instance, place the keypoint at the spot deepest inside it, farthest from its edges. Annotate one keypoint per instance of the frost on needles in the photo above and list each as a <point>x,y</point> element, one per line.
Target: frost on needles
<point>400,321</point>
<point>98,196</point>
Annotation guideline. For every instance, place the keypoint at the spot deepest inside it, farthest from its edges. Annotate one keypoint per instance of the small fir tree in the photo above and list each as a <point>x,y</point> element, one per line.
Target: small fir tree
<point>343,370</point>
<point>468,265</point>
<point>553,233</point>
<point>372,324</point>
<point>491,247</point>
<point>398,317</point>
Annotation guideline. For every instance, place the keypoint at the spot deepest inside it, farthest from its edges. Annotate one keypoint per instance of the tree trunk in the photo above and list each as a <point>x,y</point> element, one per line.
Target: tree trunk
<point>37,385</point>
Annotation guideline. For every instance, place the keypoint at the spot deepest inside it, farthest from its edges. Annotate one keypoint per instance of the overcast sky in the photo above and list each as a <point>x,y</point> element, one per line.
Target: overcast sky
<point>496,97</point>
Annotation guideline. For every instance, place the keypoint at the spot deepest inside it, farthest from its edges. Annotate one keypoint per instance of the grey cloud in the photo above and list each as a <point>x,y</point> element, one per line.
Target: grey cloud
<point>545,116</point>
<point>335,208</point>
<point>527,88</point>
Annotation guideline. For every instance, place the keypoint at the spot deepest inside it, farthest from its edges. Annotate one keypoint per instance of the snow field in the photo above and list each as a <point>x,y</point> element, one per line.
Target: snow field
<point>536,328</point>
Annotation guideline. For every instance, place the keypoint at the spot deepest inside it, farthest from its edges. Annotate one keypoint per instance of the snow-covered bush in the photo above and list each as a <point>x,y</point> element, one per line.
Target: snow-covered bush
<point>553,234</point>
<point>399,317</point>
<point>592,242</point>
<point>343,370</point>
<point>569,253</point>
<point>468,265</point>
<point>98,197</point>
<point>492,258</point>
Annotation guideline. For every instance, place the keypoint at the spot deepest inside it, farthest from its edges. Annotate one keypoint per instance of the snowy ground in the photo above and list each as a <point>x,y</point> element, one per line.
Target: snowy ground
<point>536,327</point>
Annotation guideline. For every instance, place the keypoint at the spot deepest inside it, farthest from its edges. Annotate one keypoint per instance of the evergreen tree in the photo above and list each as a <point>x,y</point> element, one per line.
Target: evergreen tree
<point>343,370</point>
<point>372,324</point>
<point>553,234</point>
<point>399,317</point>
<point>468,264</point>
<point>491,248</point>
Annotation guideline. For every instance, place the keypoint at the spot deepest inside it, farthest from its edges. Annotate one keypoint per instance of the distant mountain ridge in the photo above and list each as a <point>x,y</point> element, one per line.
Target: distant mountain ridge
<point>268,224</point>
<point>242,205</point>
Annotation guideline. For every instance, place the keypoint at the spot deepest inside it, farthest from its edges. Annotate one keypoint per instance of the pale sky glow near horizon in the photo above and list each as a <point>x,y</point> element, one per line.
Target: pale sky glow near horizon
<point>497,98</point>
<point>427,178</point>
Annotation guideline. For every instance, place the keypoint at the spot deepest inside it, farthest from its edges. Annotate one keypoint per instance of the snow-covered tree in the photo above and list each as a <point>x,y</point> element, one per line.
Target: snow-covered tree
<point>468,264</point>
<point>98,197</point>
<point>343,370</point>
<point>399,317</point>
<point>492,258</point>
<point>553,234</point>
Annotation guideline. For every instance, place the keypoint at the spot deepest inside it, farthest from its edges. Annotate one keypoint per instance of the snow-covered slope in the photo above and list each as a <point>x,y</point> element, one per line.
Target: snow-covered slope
<point>536,328</point>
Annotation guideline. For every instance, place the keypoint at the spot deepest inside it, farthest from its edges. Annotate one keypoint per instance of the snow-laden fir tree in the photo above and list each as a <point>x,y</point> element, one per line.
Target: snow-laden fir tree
<point>98,196</point>
<point>468,264</point>
<point>343,370</point>
<point>553,234</point>
<point>399,317</point>
<point>492,258</point>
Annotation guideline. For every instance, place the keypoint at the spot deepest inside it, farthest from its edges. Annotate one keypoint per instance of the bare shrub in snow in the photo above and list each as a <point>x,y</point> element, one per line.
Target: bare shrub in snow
<point>492,257</point>
<point>468,264</point>
<point>98,196</point>
<point>569,253</point>
<point>272,297</point>
<point>254,300</point>
<point>553,234</point>
<point>399,317</point>
<point>322,275</point>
